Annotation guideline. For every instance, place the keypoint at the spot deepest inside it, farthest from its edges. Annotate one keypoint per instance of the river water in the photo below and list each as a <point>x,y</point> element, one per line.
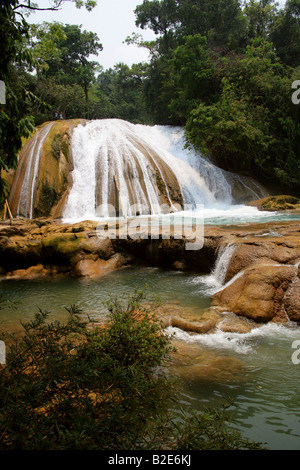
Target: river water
<point>256,369</point>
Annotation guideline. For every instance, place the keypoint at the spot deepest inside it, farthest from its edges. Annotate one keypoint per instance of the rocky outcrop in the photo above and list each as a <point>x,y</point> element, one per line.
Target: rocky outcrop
<point>42,180</point>
<point>60,249</point>
<point>262,281</point>
<point>277,203</point>
<point>93,269</point>
<point>259,293</point>
<point>32,273</point>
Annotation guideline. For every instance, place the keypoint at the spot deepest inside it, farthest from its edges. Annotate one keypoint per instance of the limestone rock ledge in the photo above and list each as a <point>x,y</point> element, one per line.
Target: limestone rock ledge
<point>262,281</point>
<point>263,292</point>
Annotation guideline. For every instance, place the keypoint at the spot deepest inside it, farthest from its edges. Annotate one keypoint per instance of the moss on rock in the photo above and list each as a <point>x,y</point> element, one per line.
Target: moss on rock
<point>277,203</point>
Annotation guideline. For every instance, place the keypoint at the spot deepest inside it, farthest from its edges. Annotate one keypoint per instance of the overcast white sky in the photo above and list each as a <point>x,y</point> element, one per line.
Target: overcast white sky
<point>112,20</point>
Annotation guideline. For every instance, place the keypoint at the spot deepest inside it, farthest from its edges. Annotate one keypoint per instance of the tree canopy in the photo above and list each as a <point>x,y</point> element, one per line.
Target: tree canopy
<point>222,69</point>
<point>17,58</point>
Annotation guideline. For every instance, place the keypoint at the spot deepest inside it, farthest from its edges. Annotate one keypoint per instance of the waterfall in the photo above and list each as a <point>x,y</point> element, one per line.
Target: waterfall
<point>150,164</point>
<point>26,178</point>
<point>221,266</point>
<point>216,279</point>
<point>125,169</point>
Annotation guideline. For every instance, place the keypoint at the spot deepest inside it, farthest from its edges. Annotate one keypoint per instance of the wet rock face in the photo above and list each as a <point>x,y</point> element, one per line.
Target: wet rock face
<point>261,281</point>
<point>258,293</point>
<point>42,179</point>
<point>263,276</point>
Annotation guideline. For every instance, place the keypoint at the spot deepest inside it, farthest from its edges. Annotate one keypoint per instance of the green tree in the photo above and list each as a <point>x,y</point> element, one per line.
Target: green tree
<point>15,121</point>
<point>261,16</point>
<point>120,93</point>
<point>64,52</point>
<point>221,21</point>
<point>253,126</point>
<point>285,33</point>
<point>74,386</point>
<point>68,98</point>
<point>191,78</point>
<point>161,17</point>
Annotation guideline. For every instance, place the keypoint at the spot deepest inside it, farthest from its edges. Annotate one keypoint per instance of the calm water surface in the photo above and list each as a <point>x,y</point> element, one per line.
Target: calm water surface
<point>254,369</point>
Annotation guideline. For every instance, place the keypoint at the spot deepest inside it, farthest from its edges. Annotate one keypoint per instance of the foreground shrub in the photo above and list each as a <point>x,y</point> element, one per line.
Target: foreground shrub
<point>70,386</point>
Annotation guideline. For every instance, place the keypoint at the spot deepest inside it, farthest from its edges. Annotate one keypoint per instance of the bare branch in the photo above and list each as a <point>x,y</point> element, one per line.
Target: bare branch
<point>35,8</point>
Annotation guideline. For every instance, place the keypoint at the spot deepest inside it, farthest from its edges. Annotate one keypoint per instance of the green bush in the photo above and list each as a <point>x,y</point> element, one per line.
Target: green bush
<point>75,386</point>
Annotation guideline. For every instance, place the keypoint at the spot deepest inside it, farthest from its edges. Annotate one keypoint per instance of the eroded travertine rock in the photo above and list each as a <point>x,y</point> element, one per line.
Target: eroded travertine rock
<point>258,293</point>
<point>261,284</point>
<point>94,269</point>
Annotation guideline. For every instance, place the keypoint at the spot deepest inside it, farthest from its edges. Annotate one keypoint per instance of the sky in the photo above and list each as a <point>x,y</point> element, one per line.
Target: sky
<point>112,20</point>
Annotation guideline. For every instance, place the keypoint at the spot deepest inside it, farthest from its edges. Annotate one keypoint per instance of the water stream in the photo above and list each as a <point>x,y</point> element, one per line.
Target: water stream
<point>254,369</point>
<point>25,183</point>
<point>153,172</point>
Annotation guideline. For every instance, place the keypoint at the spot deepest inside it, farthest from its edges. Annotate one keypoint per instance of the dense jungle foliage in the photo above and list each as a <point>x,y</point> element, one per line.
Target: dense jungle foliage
<point>226,70</point>
<point>76,386</point>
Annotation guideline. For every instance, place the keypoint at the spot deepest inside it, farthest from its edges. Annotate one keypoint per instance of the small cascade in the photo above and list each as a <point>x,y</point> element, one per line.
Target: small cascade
<point>222,262</point>
<point>216,279</point>
<point>26,178</point>
<point>172,139</point>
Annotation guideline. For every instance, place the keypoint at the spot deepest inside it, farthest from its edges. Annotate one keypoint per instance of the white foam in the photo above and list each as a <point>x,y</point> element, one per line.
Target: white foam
<point>105,147</point>
<point>241,343</point>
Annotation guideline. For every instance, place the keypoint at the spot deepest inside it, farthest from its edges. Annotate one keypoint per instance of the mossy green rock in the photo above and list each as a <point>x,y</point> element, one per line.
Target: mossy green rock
<point>277,203</point>
<point>61,247</point>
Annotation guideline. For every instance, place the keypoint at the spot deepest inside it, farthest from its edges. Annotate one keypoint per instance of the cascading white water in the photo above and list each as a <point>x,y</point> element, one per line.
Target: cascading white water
<point>104,151</point>
<point>216,279</point>
<point>146,163</point>
<point>29,184</point>
<point>201,181</point>
<point>211,283</point>
<point>221,265</point>
<point>173,140</point>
